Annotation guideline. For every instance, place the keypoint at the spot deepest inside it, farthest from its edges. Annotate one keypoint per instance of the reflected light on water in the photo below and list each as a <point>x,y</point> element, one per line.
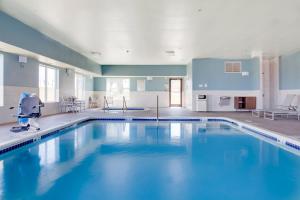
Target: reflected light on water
<point>1,179</point>
<point>49,152</point>
<point>175,131</point>
<point>126,132</point>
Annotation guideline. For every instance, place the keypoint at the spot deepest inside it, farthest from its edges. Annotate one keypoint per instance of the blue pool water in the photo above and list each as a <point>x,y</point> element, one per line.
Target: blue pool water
<point>116,160</point>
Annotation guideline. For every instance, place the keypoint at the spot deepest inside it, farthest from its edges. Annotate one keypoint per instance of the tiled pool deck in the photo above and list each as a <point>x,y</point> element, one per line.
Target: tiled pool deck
<point>287,127</point>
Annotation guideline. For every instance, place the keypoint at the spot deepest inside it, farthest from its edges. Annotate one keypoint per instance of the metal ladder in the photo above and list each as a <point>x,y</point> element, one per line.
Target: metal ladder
<point>124,106</point>
<point>106,106</point>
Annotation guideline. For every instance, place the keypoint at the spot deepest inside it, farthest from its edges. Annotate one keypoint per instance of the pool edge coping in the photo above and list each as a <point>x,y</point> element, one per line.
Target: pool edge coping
<point>32,137</point>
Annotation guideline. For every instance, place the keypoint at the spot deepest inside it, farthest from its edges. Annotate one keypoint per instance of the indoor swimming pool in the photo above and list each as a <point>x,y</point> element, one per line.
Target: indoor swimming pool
<point>149,160</point>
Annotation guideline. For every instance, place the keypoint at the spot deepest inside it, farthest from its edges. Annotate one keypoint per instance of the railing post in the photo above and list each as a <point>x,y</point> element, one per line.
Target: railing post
<point>104,106</point>
<point>157,114</point>
<point>123,106</point>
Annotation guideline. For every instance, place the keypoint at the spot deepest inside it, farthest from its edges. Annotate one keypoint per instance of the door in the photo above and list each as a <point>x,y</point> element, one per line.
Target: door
<point>175,92</point>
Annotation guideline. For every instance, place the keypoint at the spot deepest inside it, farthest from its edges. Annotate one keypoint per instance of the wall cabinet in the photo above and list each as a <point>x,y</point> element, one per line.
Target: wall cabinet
<point>247,103</point>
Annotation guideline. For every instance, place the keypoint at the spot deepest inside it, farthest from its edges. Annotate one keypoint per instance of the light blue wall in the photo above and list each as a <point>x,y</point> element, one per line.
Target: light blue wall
<point>143,70</point>
<point>16,75</point>
<point>289,72</point>
<point>156,84</point>
<point>89,83</point>
<point>133,82</point>
<point>211,72</point>
<point>19,34</point>
<point>99,84</point>
<point>28,76</point>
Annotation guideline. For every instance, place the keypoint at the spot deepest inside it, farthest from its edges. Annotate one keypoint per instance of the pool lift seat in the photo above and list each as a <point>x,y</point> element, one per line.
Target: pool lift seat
<point>29,110</point>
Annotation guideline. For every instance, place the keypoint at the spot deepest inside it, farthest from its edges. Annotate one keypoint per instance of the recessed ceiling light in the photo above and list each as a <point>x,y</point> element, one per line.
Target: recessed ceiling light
<point>170,52</point>
<point>96,53</point>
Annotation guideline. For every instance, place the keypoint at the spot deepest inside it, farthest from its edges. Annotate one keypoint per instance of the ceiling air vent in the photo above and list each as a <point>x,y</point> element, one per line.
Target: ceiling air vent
<point>233,67</point>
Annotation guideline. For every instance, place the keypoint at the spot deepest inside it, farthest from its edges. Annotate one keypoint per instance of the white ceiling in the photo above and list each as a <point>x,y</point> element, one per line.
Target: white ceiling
<point>149,28</point>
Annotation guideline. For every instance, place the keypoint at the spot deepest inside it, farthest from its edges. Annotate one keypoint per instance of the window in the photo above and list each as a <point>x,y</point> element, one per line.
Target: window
<point>140,85</point>
<point>1,80</point>
<point>117,88</point>
<point>48,83</point>
<point>233,67</point>
<point>80,86</point>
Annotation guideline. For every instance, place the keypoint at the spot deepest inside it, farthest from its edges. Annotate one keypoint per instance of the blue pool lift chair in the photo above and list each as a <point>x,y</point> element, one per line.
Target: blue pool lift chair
<point>29,110</point>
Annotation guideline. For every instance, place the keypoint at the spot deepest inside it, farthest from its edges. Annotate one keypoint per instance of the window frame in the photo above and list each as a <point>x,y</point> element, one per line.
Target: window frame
<point>140,85</point>
<point>119,83</point>
<point>83,86</point>
<point>1,79</point>
<point>56,83</point>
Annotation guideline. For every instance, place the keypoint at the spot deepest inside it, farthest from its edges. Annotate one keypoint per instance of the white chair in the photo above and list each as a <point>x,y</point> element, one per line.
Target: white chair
<point>279,111</point>
<point>283,110</point>
<point>295,109</point>
<point>92,103</point>
<point>79,105</point>
<point>65,104</point>
<point>287,102</point>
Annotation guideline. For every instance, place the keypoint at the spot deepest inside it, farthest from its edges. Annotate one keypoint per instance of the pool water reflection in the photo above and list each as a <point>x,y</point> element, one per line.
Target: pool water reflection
<point>114,160</point>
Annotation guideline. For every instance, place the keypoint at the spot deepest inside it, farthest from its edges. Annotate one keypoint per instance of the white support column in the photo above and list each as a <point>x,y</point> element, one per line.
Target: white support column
<point>269,82</point>
<point>274,81</point>
<point>266,83</point>
<point>260,98</point>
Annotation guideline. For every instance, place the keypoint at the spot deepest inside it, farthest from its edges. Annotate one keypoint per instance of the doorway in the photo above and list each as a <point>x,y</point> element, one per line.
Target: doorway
<point>175,92</point>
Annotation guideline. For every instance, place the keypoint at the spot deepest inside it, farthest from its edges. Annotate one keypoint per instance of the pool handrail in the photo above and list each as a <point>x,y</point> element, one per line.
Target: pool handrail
<point>157,112</point>
<point>106,106</point>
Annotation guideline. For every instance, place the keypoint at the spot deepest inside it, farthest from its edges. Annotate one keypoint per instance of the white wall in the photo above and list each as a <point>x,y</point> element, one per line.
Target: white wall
<point>209,78</point>
<point>282,94</point>
<point>25,79</point>
<point>213,98</point>
<point>148,99</point>
<point>99,98</point>
<point>138,99</point>
<point>11,99</point>
<point>188,88</point>
<point>66,83</point>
